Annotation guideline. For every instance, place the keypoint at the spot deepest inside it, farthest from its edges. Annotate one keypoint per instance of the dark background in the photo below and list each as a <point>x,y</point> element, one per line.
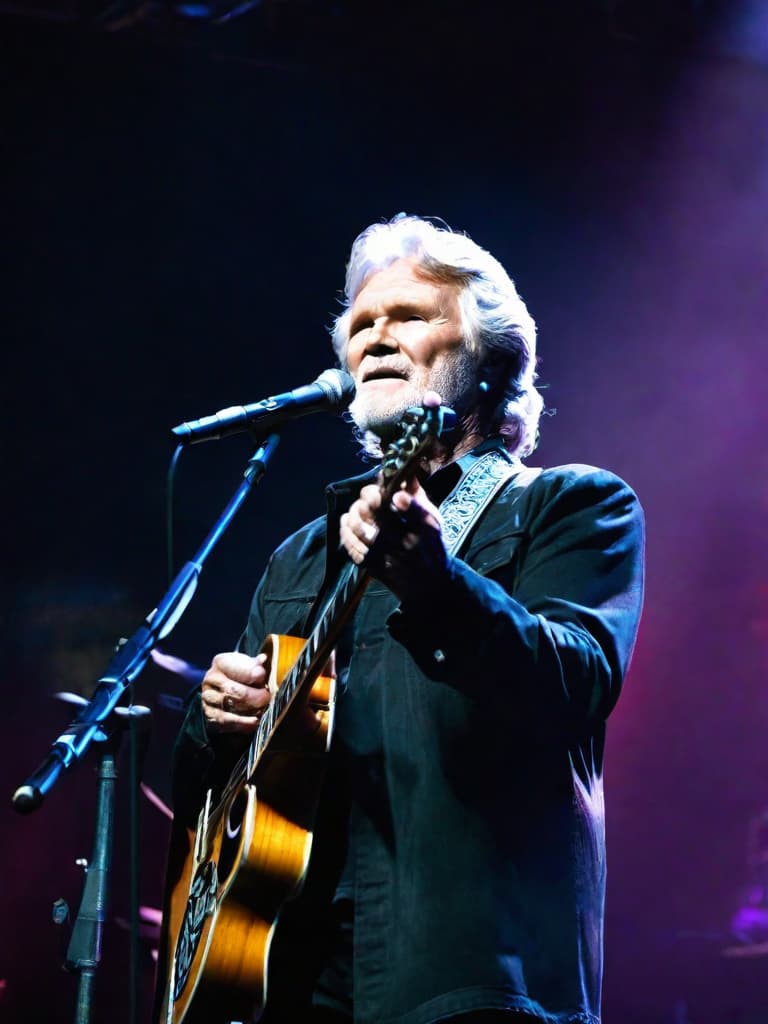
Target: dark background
<point>179,199</point>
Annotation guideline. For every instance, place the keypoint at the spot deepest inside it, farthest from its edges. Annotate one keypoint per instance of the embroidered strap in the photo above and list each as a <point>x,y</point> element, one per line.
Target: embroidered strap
<point>480,484</point>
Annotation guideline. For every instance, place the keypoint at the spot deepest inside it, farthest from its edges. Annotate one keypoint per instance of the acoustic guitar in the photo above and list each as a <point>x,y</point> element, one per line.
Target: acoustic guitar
<point>229,878</point>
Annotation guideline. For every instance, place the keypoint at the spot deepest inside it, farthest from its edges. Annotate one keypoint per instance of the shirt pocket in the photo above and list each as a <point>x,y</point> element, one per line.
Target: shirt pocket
<point>286,613</point>
<point>493,553</point>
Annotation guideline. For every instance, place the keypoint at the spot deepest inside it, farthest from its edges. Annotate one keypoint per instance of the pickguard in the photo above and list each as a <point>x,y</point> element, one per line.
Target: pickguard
<point>201,903</point>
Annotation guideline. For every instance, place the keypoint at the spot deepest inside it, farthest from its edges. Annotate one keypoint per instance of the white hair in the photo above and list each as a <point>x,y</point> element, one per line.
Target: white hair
<point>499,331</point>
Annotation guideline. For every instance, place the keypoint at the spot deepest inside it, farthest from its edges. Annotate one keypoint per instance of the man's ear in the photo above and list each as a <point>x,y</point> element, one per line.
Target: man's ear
<point>496,372</point>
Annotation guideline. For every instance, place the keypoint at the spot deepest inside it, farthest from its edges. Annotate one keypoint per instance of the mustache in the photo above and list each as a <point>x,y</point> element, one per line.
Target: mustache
<point>388,366</point>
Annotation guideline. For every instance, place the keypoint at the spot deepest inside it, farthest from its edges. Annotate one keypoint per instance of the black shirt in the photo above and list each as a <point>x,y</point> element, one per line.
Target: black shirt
<point>466,766</point>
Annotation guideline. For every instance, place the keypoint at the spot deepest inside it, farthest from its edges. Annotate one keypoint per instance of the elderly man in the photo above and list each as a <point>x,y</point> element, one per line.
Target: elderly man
<point>458,865</point>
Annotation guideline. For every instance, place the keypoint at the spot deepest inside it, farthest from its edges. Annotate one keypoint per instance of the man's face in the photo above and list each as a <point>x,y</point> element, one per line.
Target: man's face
<point>405,338</point>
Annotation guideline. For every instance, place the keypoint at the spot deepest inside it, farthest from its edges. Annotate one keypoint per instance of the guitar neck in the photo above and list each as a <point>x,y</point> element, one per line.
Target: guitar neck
<point>339,607</point>
<point>341,604</point>
<point>419,429</point>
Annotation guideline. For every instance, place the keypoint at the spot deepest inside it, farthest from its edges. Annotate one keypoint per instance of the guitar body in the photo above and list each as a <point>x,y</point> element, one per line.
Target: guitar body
<point>228,880</point>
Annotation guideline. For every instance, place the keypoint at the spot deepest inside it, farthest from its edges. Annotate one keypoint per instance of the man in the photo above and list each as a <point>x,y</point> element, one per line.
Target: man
<point>458,866</point>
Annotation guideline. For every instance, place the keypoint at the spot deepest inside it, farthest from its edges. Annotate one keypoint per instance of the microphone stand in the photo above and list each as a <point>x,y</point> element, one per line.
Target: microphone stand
<point>84,949</point>
<point>123,668</point>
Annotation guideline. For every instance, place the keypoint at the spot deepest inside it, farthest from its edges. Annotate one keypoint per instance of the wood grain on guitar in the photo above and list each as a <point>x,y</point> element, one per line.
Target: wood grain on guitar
<point>228,880</point>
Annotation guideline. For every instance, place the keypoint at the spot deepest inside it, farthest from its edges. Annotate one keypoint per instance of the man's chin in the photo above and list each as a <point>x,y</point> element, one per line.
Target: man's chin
<point>381,422</point>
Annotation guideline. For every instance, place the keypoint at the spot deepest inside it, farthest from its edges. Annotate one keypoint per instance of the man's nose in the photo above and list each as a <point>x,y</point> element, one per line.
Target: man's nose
<point>380,335</point>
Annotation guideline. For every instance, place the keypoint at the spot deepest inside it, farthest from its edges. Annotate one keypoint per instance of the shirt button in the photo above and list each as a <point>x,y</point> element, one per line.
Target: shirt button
<point>439,656</point>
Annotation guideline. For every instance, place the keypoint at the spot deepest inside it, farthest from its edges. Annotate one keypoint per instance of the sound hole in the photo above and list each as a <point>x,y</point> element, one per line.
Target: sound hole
<point>232,838</point>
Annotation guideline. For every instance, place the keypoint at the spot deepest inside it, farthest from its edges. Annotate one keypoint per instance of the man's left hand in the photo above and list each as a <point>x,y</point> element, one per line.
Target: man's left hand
<point>401,545</point>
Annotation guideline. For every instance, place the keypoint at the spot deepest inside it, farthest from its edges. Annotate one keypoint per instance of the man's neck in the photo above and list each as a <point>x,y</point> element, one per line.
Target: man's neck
<point>445,456</point>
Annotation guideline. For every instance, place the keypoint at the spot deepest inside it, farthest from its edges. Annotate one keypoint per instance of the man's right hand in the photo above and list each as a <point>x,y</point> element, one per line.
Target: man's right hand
<point>235,693</point>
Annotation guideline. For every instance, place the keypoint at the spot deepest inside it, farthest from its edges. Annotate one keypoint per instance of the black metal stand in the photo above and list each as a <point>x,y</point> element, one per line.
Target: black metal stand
<point>98,720</point>
<point>84,950</point>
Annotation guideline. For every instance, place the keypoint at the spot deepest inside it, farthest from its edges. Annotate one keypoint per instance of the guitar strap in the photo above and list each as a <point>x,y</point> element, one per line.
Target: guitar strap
<point>464,506</point>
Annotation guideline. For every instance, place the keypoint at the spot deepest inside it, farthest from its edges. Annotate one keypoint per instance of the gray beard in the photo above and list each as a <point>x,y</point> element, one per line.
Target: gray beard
<point>456,383</point>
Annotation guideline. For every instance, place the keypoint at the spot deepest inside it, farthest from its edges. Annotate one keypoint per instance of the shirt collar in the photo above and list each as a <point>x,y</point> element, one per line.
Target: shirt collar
<point>342,493</point>
<point>446,480</point>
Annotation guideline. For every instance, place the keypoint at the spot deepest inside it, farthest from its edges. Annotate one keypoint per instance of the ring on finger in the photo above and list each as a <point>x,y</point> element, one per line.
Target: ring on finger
<point>228,703</point>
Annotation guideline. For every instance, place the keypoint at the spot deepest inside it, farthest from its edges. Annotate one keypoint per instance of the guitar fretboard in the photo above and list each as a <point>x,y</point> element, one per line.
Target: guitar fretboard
<point>316,651</point>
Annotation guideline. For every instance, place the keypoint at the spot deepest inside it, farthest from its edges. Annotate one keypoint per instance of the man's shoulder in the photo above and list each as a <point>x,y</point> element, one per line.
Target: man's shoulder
<point>305,542</point>
<point>572,474</point>
<point>308,544</point>
<point>578,483</point>
<point>580,475</point>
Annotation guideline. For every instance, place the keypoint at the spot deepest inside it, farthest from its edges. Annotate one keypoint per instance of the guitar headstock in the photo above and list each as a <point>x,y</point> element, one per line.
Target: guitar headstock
<point>419,428</point>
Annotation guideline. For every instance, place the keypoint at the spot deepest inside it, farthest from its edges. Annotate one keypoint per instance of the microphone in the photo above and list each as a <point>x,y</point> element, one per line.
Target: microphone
<point>331,392</point>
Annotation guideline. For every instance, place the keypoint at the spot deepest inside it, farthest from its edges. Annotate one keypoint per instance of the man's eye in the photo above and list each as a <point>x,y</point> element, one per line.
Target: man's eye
<point>416,316</point>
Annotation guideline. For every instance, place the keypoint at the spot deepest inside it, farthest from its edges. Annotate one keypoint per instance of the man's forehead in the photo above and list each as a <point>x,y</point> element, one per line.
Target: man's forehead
<point>402,274</point>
